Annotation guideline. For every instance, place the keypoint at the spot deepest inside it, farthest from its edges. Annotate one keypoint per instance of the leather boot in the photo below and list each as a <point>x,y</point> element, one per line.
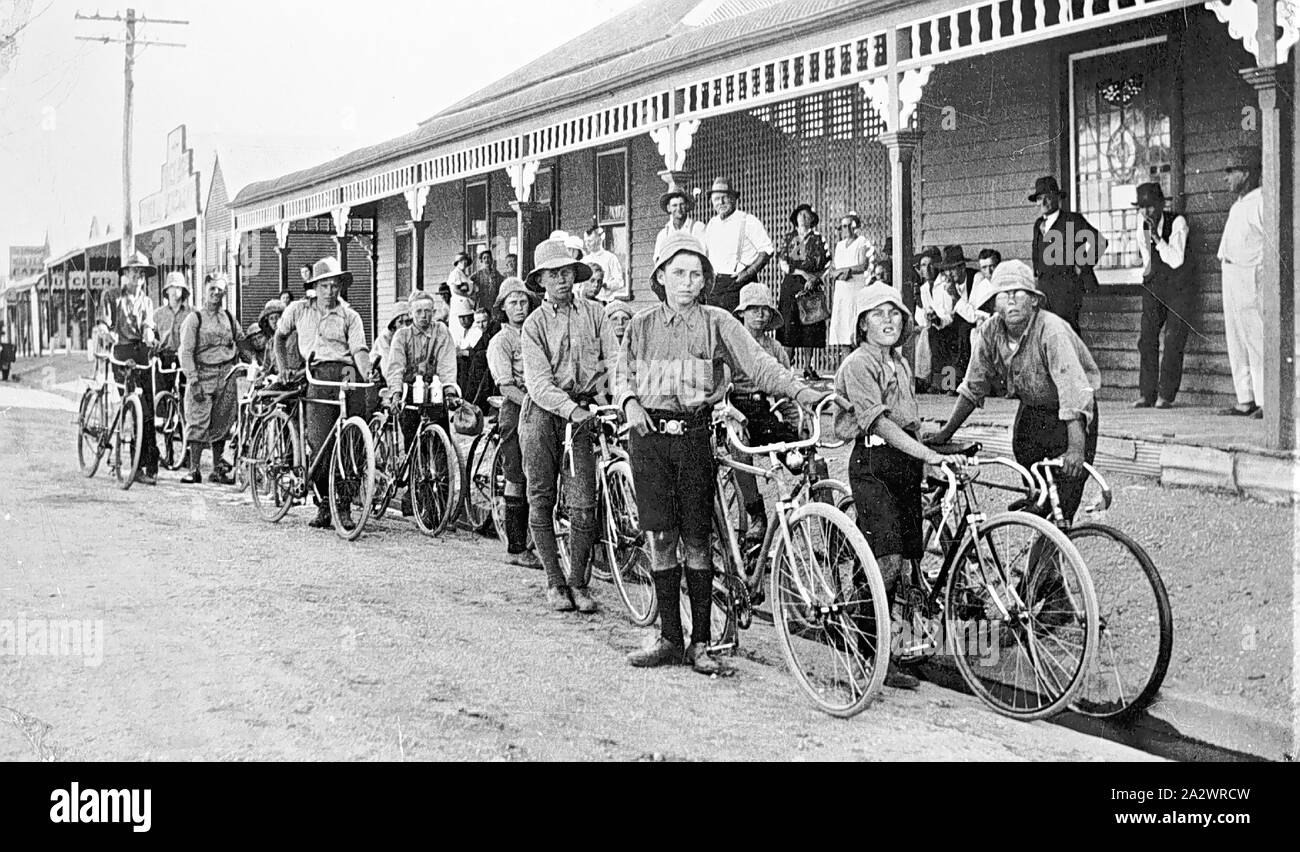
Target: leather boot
<point>195,476</point>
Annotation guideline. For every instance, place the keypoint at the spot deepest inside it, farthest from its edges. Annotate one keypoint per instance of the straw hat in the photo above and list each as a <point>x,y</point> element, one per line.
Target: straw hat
<point>552,254</point>
<point>326,268</point>
<point>139,261</point>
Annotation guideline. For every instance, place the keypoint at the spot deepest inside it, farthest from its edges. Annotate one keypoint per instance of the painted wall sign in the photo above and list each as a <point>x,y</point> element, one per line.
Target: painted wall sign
<point>26,261</point>
<point>179,196</point>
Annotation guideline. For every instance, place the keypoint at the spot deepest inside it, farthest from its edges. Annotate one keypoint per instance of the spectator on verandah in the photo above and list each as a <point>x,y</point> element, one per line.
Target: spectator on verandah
<point>594,287</point>
<point>738,246</point>
<point>803,259</point>
<point>679,206</point>
<point>458,281</point>
<point>1167,298</point>
<point>512,266</point>
<point>1241,252</point>
<point>1066,247</point>
<point>845,278</point>
<point>978,304</point>
<point>926,267</point>
<point>487,281</point>
<point>948,333</point>
<point>594,252</point>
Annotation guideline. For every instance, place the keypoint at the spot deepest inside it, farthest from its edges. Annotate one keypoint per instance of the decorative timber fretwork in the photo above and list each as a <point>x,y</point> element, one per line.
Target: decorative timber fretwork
<point>1242,18</point>
<point>978,28</point>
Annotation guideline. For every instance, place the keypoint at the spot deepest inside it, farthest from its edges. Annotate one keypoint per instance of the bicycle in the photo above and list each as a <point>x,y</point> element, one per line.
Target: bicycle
<point>429,468</point>
<point>1136,629</point>
<point>254,404</point>
<point>621,554</point>
<point>827,594</point>
<point>282,467</point>
<point>480,497</point>
<point>169,413</point>
<point>1010,582</point>
<point>123,431</point>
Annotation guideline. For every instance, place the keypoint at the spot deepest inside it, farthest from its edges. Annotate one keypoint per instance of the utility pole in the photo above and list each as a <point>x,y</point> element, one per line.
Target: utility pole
<point>128,101</point>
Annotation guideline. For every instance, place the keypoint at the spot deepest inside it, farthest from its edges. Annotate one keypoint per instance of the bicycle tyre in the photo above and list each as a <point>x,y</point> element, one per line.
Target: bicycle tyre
<point>382,435</point>
<point>90,431</point>
<point>130,431</point>
<point>626,549</point>
<point>353,460</point>
<point>498,493</point>
<point>824,609</point>
<point>478,481</point>
<point>435,479</point>
<point>961,602</point>
<point>1148,672</point>
<point>171,432</point>
<point>273,456</point>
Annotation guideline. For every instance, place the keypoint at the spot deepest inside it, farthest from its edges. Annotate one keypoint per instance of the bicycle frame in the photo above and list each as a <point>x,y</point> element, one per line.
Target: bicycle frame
<point>392,420</point>
<point>321,453</point>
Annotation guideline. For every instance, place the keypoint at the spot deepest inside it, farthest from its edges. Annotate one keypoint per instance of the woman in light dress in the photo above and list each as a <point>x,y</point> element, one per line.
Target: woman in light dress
<point>845,278</point>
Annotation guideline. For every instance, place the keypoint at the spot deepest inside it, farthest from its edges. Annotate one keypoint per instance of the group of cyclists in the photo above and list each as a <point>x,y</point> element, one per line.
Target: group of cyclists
<point>558,355</point>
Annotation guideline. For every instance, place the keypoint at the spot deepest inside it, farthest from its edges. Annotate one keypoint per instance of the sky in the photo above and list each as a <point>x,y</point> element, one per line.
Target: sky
<point>287,84</point>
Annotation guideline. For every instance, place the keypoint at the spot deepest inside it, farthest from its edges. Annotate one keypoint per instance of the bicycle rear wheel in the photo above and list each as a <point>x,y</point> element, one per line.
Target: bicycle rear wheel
<point>171,431</point>
<point>383,434</point>
<point>435,479</point>
<point>1031,660</point>
<point>91,424</point>
<point>497,492</point>
<point>352,478</point>
<point>128,442</point>
<point>625,546</point>
<point>271,466</point>
<point>478,481</point>
<point>830,611</point>
<point>1136,627</point>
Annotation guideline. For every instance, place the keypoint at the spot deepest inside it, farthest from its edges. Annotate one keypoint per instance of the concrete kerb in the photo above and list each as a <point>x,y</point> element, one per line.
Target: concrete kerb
<point>1207,721</point>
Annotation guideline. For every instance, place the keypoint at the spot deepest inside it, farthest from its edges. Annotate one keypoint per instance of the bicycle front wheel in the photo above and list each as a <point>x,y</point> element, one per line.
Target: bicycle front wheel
<point>1021,616</point>
<point>1135,633</point>
<point>383,435</point>
<point>626,550</point>
<point>91,423</point>
<point>171,431</point>
<point>497,493</point>
<point>128,442</point>
<point>478,481</point>
<point>435,479</point>
<point>830,610</point>
<point>352,478</point>
<point>271,466</point>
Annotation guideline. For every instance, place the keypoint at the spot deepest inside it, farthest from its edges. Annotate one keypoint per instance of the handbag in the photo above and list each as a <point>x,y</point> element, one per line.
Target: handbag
<point>812,306</point>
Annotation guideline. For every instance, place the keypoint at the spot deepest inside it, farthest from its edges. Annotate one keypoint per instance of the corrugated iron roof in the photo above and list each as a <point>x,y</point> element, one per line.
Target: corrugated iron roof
<point>624,49</point>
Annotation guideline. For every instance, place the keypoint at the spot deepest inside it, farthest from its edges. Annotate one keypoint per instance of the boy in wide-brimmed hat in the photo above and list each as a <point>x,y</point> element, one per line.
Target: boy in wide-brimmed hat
<point>1168,297</point>
<point>168,321</point>
<point>619,314</point>
<point>1038,358</point>
<point>128,314</point>
<point>422,348</point>
<point>331,332</point>
<point>673,370</point>
<point>738,246</point>
<point>505,358</point>
<point>567,349</point>
<point>1065,248</point>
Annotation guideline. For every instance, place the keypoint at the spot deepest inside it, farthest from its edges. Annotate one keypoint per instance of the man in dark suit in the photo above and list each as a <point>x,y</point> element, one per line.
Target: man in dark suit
<point>1065,249</point>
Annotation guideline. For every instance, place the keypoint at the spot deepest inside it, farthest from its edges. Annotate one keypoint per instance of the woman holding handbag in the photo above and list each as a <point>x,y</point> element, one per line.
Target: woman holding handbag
<point>845,278</point>
<point>803,303</point>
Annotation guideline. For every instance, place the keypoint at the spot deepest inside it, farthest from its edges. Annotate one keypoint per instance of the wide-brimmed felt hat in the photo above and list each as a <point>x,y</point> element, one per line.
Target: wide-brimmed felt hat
<point>217,279</point>
<point>794,215</point>
<point>552,254</point>
<point>177,280</point>
<point>138,261</point>
<point>272,306</point>
<point>1243,157</point>
<point>1044,185</point>
<point>931,252</point>
<point>757,295</point>
<point>724,185</point>
<point>616,306</point>
<point>952,257</point>
<point>462,306</point>
<point>1149,194</point>
<point>513,285</point>
<point>676,193</point>
<point>676,243</point>
<point>1013,275</point>
<point>326,268</point>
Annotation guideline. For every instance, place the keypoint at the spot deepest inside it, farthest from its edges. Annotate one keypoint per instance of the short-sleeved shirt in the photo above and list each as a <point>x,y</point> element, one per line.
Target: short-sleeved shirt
<point>678,360</point>
<point>723,236</point>
<point>1048,367</point>
<point>568,352</point>
<point>333,335</point>
<point>413,351</point>
<point>742,382</point>
<point>505,357</point>
<point>878,384</point>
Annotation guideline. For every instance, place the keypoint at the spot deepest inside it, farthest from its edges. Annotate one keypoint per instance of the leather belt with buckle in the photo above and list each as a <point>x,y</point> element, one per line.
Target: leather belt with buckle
<point>674,423</point>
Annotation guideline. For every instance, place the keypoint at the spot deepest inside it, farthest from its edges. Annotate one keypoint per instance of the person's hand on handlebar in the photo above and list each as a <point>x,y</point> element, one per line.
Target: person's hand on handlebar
<point>581,415</point>
<point>1072,463</point>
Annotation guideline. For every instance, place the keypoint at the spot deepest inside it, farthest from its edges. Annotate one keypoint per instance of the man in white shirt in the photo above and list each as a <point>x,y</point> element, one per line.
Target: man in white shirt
<point>1168,297</point>
<point>1241,252</point>
<point>594,252</point>
<point>738,246</point>
<point>678,205</point>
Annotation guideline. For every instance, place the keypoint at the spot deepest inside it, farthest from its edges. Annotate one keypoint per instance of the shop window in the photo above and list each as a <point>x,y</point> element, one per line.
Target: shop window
<point>611,205</point>
<point>1121,101</point>
<point>402,256</point>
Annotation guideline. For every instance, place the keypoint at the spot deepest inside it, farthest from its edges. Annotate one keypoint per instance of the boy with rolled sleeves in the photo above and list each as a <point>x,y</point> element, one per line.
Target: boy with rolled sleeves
<point>671,371</point>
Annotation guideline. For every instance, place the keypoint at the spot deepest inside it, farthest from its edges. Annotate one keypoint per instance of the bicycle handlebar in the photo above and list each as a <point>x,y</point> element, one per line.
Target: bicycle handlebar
<point>781,447</point>
<point>312,380</point>
<point>1047,482</point>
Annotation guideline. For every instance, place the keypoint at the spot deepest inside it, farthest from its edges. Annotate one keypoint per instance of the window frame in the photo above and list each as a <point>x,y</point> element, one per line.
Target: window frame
<point>401,232</point>
<point>1130,274</point>
<point>626,221</point>
<point>473,244</point>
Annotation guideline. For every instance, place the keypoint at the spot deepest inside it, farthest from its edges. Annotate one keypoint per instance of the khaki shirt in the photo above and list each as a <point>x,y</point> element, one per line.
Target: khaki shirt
<point>208,339</point>
<point>568,352</point>
<point>413,352</point>
<point>505,358</point>
<point>878,385</point>
<point>333,335</point>
<point>1048,367</point>
<point>169,323</point>
<point>678,360</point>
<point>743,384</point>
